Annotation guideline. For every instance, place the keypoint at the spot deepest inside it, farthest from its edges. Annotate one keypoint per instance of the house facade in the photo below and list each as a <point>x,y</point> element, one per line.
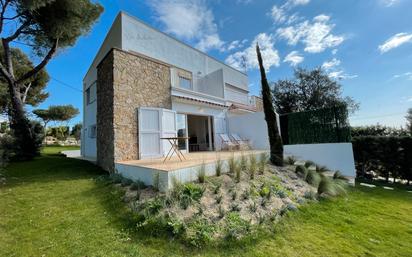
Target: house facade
<point>144,85</point>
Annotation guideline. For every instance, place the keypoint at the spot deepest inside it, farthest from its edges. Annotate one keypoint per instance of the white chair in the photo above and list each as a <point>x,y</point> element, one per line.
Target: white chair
<point>243,143</point>
<point>228,143</point>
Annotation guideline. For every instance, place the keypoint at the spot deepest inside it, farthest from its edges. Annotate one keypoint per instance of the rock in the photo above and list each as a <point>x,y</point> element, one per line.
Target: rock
<point>367,185</point>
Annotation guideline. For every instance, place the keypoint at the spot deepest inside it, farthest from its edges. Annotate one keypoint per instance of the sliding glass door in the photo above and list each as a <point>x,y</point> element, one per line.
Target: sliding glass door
<point>181,125</point>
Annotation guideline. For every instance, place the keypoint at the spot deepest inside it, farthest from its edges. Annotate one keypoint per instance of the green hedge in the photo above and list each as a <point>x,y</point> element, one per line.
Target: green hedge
<point>387,156</point>
<point>328,125</point>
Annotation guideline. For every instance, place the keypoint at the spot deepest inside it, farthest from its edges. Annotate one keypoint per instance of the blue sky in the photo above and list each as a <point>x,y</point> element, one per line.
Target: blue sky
<point>366,44</point>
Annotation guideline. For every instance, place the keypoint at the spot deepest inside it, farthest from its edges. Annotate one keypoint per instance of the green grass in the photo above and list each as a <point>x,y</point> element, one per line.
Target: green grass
<point>54,206</point>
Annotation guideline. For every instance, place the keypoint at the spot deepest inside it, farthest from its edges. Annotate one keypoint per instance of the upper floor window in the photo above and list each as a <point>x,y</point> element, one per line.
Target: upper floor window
<point>185,83</point>
<point>91,94</point>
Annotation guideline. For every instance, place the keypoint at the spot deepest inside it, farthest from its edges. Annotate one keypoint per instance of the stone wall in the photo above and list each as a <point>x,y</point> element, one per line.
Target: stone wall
<point>104,124</point>
<point>137,81</point>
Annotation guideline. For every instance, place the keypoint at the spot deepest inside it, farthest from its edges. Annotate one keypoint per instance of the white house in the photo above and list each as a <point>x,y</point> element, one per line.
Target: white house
<point>144,85</point>
<point>165,87</point>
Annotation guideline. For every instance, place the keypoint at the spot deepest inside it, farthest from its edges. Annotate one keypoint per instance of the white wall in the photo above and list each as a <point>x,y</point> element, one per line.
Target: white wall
<point>211,84</point>
<point>236,95</point>
<point>251,126</point>
<point>335,156</point>
<point>141,38</point>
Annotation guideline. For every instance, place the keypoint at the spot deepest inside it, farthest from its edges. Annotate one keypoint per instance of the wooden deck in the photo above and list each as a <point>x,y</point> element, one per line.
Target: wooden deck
<point>192,160</point>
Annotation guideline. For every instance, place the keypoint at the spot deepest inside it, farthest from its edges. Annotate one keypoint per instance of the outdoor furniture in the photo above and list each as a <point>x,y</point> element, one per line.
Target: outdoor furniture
<point>228,142</point>
<point>243,143</point>
<point>174,147</point>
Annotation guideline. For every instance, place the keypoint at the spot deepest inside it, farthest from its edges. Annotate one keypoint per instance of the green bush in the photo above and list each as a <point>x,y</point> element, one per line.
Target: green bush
<point>193,191</point>
<point>218,167</point>
<point>243,162</point>
<point>137,185</point>
<point>238,172</point>
<point>156,181</point>
<point>313,178</point>
<point>252,166</point>
<point>301,171</point>
<point>232,165</point>
<point>331,187</point>
<point>236,227</point>
<point>290,160</point>
<point>388,156</point>
<point>201,174</point>
<point>309,164</point>
<point>263,160</point>
<point>199,232</point>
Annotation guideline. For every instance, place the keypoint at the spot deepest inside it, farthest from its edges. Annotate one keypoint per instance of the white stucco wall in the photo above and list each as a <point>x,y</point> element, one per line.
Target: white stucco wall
<point>252,127</point>
<point>139,37</point>
<point>335,156</point>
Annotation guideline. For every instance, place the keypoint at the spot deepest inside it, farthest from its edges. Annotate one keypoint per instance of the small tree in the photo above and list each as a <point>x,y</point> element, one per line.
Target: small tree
<point>76,131</point>
<point>56,113</point>
<point>409,121</point>
<point>275,141</point>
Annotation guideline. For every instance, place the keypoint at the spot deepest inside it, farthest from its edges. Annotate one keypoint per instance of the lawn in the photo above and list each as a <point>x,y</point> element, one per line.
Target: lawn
<point>54,206</point>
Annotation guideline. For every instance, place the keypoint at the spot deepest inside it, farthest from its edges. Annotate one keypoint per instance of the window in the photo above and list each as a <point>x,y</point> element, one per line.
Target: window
<point>185,83</point>
<point>92,131</point>
<point>91,93</point>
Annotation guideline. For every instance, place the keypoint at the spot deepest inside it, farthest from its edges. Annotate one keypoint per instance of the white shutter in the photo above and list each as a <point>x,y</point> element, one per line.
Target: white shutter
<point>168,128</point>
<point>155,123</point>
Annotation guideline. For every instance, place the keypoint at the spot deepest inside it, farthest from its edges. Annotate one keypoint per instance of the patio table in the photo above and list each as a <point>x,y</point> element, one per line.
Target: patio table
<point>174,147</point>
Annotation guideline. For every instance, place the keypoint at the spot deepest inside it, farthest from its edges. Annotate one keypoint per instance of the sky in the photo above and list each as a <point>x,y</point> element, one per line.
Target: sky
<point>364,44</point>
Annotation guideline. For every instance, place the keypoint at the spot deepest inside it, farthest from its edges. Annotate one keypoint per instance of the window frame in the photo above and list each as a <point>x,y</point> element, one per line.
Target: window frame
<point>185,79</point>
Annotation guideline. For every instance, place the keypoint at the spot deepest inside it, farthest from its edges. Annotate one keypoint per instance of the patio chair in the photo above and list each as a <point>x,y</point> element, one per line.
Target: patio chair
<point>243,143</point>
<point>228,143</point>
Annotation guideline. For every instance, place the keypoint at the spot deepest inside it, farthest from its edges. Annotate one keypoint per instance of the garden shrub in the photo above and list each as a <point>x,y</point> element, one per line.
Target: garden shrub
<point>219,167</point>
<point>309,164</point>
<point>243,162</point>
<point>290,160</point>
<point>252,166</point>
<point>199,232</point>
<point>263,160</point>
<point>201,174</point>
<point>193,191</point>
<point>331,187</point>
<point>301,171</point>
<point>232,165</point>
<point>235,226</point>
<point>388,156</point>
<point>313,178</point>
<point>137,185</point>
<point>156,181</point>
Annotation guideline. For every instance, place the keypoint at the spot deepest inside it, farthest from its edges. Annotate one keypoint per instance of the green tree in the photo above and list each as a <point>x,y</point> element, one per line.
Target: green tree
<point>275,141</point>
<point>76,131</point>
<point>409,121</point>
<point>31,91</point>
<point>57,113</point>
<point>45,26</point>
<point>309,90</point>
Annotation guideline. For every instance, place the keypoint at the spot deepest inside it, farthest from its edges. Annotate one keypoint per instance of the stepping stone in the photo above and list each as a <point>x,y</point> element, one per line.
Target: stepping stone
<point>388,188</point>
<point>367,185</point>
<point>409,191</point>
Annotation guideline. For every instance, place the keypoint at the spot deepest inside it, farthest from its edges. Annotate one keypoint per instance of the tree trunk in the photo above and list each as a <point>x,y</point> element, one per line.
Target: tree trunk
<point>25,141</point>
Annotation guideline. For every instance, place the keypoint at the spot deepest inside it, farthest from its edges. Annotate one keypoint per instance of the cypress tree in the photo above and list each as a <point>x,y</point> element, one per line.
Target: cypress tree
<point>275,141</point>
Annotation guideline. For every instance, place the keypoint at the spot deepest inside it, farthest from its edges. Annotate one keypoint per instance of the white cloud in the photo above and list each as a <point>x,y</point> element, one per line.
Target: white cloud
<point>407,75</point>
<point>278,14</point>
<point>244,1</point>
<point>331,64</point>
<point>395,41</point>
<point>236,44</point>
<point>189,20</point>
<point>340,75</point>
<point>334,70</point>
<point>389,3</point>
<point>292,3</point>
<point>334,51</point>
<point>294,58</point>
<point>247,59</point>
<point>316,35</point>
